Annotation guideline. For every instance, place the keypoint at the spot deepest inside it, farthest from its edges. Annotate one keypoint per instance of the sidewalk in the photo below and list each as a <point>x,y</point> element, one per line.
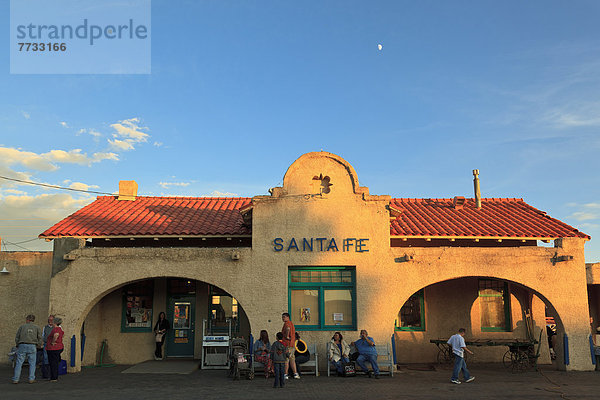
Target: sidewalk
<point>492,382</point>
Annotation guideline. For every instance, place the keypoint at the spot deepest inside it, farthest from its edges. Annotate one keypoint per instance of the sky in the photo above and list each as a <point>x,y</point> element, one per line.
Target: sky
<point>239,89</point>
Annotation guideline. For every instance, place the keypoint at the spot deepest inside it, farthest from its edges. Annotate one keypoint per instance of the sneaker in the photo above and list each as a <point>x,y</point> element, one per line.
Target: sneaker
<point>32,381</point>
<point>455,381</point>
<point>15,382</point>
<point>286,377</point>
<point>471,379</point>
<point>296,376</point>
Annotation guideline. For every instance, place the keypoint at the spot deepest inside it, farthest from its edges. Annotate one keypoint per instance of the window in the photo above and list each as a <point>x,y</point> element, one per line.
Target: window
<point>137,307</point>
<point>412,313</point>
<point>322,298</point>
<point>494,300</point>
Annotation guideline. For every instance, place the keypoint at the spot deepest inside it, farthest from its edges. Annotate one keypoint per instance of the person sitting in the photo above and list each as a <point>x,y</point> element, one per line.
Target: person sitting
<point>367,352</point>
<point>262,350</point>
<point>339,352</point>
<point>301,352</point>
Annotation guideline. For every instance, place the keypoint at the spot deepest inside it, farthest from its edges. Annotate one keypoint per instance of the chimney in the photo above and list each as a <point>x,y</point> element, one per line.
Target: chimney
<point>477,188</point>
<point>127,190</point>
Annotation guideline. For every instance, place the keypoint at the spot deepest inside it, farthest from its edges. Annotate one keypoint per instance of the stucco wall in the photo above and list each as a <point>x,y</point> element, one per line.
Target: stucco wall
<point>383,284</point>
<point>25,290</point>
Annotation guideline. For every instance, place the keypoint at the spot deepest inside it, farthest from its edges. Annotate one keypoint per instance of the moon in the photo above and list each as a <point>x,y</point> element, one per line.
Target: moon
<point>379,47</point>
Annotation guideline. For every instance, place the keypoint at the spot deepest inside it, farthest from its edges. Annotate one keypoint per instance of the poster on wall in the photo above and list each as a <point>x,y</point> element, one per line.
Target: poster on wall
<point>305,314</point>
<point>137,317</point>
<point>338,317</point>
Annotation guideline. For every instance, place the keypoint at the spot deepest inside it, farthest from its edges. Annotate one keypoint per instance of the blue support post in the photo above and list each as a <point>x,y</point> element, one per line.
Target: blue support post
<point>592,350</point>
<point>394,348</point>
<point>566,344</point>
<point>73,350</point>
<point>251,348</point>
<point>82,345</point>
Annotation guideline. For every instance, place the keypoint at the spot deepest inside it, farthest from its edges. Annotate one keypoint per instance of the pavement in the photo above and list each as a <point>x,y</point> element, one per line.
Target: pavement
<point>414,382</point>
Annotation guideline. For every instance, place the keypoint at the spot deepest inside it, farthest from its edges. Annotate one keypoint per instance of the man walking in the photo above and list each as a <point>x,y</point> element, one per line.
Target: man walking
<point>28,339</point>
<point>367,352</point>
<point>289,340</point>
<point>457,342</point>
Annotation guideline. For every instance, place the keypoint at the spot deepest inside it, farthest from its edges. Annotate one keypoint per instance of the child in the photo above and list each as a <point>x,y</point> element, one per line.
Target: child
<point>279,355</point>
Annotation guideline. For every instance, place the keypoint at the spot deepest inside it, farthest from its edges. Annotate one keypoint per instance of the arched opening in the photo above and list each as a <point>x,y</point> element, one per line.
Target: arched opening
<point>487,307</point>
<point>124,319</point>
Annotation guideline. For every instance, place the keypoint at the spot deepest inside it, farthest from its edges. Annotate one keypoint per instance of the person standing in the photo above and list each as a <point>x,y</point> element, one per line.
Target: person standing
<point>289,339</point>
<point>54,346</point>
<point>367,352</point>
<point>160,329</point>
<point>28,339</point>
<point>457,341</point>
<point>45,333</point>
<point>279,356</point>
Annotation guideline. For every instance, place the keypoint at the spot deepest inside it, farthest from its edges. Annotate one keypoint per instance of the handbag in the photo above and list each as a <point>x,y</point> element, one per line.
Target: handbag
<point>159,337</point>
<point>349,369</point>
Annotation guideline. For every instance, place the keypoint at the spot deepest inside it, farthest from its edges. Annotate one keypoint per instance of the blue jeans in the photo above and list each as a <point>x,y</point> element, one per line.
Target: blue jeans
<point>370,358</point>
<point>279,372</point>
<point>29,351</point>
<point>338,365</point>
<point>460,365</point>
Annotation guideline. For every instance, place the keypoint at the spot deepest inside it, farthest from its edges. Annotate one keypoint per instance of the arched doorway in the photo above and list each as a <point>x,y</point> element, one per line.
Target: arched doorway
<point>124,317</point>
<point>487,307</point>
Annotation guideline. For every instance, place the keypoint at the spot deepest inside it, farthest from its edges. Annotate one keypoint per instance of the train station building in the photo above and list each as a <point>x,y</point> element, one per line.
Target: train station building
<point>324,249</point>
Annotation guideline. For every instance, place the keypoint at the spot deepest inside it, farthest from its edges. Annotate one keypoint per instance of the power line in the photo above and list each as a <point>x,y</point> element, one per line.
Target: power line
<point>14,244</point>
<point>26,241</point>
<point>53,186</point>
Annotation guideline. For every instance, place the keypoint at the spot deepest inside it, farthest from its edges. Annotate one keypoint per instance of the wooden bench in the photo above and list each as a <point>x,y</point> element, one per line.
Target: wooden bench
<point>385,361</point>
<point>312,364</point>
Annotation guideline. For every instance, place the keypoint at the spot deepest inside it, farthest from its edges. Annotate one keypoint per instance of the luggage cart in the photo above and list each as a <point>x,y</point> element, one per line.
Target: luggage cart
<point>215,348</point>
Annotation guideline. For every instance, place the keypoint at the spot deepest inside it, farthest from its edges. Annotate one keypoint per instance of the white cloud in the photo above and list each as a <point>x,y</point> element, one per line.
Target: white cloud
<point>587,212</point>
<point>166,185</point>
<point>158,144</point>
<point>216,193</point>
<point>26,115</point>
<point>64,124</point>
<point>121,145</point>
<point>14,191</point>
<point>130,128</point>
<point>90,132</point>
<point>12,156</point>
<point>46,161</point>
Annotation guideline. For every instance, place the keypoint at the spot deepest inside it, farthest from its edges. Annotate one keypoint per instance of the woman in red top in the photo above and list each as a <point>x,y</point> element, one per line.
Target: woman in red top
<point>54,346</point>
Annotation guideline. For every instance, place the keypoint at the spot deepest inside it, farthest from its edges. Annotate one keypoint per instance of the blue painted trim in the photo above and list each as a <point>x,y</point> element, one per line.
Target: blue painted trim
<point>592,350</point>
<point>73,349</point>
<point>251,348</point>
<point>394,348</point>
<point>566,344</point>
<point>82,345</point>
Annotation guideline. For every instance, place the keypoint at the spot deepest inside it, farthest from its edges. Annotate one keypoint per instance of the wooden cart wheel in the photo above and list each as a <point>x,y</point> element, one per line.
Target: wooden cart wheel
<point>520,361</point>
<point>507,359</point>
<point>444,356</point>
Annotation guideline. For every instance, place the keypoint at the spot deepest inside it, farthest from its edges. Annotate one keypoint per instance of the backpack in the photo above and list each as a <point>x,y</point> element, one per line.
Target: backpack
<point>349,369</point>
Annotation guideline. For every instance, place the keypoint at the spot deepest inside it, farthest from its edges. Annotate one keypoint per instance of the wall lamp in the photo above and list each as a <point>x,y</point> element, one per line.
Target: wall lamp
<point>556,258</point>
<point>4,271</point>
<point>404,258</point>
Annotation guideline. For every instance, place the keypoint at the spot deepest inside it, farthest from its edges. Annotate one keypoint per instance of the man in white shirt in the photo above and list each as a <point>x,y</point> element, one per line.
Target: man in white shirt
<point>458,348</point>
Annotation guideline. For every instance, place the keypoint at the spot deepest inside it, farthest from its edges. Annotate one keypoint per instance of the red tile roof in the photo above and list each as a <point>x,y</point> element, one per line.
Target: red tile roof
<point>206,216</point>
<point>497,218</point>
<point>154,216</point>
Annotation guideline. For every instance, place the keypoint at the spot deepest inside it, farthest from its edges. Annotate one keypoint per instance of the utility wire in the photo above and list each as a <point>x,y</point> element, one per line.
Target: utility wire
<point>53,186</point>
<point>26,241</point>
<point>14,244</point>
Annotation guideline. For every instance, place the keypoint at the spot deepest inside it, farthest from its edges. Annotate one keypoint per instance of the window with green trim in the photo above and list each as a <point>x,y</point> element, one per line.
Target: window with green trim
<point>494,300</point>
<point>322,298</point>
<point>412,313</point>
<point>137,307</point>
